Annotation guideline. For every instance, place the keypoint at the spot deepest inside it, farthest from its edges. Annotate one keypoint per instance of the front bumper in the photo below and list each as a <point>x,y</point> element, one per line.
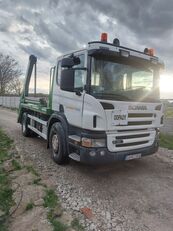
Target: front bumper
<point>110,157</point>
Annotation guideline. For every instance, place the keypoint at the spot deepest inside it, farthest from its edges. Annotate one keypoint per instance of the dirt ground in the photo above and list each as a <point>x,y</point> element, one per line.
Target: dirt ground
<point>125,196</point>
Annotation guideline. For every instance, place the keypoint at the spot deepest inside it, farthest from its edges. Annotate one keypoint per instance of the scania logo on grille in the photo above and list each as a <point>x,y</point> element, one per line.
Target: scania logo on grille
<point>138,107</point>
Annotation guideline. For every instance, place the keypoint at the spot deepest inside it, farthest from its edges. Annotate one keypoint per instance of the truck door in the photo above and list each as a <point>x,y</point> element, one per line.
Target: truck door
<point>70,102</point>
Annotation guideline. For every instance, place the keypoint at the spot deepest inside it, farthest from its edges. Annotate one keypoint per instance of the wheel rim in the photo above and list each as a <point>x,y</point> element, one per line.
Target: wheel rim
<point>55,143</point>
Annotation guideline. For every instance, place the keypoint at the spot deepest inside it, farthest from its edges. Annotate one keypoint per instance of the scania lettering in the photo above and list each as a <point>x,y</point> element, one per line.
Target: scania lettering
<point>103,104</point>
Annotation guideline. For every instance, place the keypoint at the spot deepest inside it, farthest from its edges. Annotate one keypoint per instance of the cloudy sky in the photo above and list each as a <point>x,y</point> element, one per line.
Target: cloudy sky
<point>48,28</point>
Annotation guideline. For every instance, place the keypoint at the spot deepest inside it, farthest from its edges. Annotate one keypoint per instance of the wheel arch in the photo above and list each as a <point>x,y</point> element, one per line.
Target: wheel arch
<point>57,117</point>
<point>20,114</point>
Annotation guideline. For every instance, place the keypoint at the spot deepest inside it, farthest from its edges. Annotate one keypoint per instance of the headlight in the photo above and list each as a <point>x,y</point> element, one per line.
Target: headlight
<point>93,143</point>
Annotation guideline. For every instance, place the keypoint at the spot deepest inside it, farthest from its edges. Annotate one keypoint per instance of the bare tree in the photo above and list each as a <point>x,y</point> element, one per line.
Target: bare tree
<point>9,72</point>
<point>15,86</point>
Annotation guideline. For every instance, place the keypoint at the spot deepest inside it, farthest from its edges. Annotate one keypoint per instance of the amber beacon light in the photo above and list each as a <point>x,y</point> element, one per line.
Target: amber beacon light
<point>104,37</point>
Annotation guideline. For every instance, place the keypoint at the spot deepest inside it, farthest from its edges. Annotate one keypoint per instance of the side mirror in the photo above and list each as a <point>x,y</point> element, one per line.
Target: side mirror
<point>67,79</point>
<point>67,62</point>
<point>73,80</point>
<point>70,62</point>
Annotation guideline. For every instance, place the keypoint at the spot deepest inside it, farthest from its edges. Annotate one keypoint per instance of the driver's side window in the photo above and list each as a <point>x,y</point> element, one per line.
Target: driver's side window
<point>80,75</point>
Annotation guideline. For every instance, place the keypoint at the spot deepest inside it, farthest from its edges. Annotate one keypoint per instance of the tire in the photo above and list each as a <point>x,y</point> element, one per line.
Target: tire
<point>57,144</point>
<point>25,130</point>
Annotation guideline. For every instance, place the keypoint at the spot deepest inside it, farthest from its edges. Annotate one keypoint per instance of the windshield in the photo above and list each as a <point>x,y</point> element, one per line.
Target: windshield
<point>118,81</point>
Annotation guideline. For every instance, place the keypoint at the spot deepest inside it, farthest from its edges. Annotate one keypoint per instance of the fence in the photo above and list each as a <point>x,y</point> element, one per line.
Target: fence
<point>9,101</point>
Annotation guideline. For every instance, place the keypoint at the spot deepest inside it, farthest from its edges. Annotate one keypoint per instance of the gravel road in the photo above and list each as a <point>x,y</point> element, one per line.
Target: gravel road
<point>126,196</point>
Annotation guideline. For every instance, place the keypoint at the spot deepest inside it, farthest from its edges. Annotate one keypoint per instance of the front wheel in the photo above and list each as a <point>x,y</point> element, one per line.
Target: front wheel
<point>57,144</point>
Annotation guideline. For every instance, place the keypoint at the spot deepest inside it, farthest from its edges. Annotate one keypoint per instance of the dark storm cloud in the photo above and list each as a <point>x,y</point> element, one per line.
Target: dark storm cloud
<point>140,16</point>
<point>40,52</point>
<point>60,39</point>
<point>150,21</point>
<point>4,26</point>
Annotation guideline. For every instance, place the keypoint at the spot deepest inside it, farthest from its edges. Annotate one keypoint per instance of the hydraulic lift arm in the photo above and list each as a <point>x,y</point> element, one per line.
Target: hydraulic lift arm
<point>31,64</point>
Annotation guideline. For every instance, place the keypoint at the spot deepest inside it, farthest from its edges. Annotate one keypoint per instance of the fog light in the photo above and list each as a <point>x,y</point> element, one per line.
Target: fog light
<point>92,153</point>
<point>102,153</point>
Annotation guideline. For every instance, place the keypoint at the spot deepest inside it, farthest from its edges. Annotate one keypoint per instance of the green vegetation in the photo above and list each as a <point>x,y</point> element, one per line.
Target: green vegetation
<point>5,144</point>
<point>76,225</point>
<point>166,141</point>
<point>29,206</point>
<point>37,181</point>
<point>57,225</point>
<point>50,199</point>
<point>32,170</point>
<point>5,190</point>
<point>5,198</point>
<point>169,112</point>
<point>16,165</point>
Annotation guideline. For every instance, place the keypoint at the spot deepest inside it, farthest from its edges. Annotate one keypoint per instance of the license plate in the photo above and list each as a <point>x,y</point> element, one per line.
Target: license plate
<point>133,156</point>
<point>119,117</point>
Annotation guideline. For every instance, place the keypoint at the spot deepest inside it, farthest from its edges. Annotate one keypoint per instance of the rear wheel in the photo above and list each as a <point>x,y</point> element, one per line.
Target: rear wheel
<point>25,130</point>
<point>57,144</point>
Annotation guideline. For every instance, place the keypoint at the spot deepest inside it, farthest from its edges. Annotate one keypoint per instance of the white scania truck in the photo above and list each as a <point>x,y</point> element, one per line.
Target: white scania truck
<point>103,104</point>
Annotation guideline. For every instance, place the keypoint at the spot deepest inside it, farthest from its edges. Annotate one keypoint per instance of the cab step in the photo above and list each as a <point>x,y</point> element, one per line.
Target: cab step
<point>74,156</point>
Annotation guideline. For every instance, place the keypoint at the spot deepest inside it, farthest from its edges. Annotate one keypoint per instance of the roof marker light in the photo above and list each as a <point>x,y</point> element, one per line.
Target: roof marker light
<point>149,51</point>
<point>116,42</point>
<point>104,37</point>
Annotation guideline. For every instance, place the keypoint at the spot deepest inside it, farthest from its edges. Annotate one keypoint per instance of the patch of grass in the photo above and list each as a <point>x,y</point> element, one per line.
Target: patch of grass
<point>29,206</point>
<point>58,226</point>
<point>6,192</point>
<point>5,144</point>
<point>3,178</point>
<point>5,141</point>
<point>5,198</point>
<point>37,181</point>
<point>32,170</point>
<point>3,155</point>
<point>16,165</point>
<point>169,112</point>
<point>76,225</point>
<point>3,227</point>
<point>166,141</point>
<point>50,199</point>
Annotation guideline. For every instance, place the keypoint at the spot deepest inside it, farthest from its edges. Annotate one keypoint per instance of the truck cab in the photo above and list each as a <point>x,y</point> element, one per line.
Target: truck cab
<point>104,105</point>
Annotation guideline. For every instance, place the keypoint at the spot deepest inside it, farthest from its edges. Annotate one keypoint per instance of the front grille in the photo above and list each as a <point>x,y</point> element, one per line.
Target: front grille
<point>138,115</point>
<point>133,136</point>
<point>139,123</point>
<point>131,144</point>
<point>139,132</point>
<point>130,140</point>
